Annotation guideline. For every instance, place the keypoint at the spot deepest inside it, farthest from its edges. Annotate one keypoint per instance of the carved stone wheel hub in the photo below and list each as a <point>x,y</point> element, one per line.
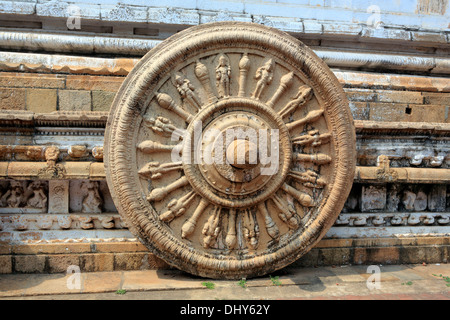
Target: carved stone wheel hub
<point>230,150</point>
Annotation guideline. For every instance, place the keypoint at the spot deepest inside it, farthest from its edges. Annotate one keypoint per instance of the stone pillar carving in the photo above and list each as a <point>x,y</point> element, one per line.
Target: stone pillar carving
<point>58,196</point>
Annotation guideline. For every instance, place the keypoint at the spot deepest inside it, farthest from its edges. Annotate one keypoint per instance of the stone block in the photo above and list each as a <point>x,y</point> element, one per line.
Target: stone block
<point>100,262</point>
<point>208,16</point>
<point>5,249</point>
<point>436,98</point>
<point>285,24</point>
<point>334,256</point>
<point>101,83</point>
<point>120,247</point>
<point>310,259</point>
<point>416,255</point>
<point>41,100</point>
<point>17,7</point>
<point>399,96</point>
<point>51,248</point>
<point>219,5</point>
<point>60,263</point>
<point>102,100</point>
<point>12,99</point>
<point>5,264</point>
<point>50,8</point>
<point>27,80</point>
<point>311,26</point>
<point>383,255</point>
<point>427,113</point>
<point>385,34</point>
<point>131,261</point>
<point>342,29</point>
<point>360,110</point>
<point>373,198</point>
<point>155,263</point>
<point>74,100</point>
<point>433,37</point>
<point>354,95</point>
<point>29,264</point>
<point>58,196</point>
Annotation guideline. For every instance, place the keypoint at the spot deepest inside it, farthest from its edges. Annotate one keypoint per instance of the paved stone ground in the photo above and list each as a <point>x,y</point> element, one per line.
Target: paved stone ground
<point>398,282</point>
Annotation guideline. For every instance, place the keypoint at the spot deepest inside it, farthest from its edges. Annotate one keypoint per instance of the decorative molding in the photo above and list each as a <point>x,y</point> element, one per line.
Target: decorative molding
<point>72,221</point>
<point>388,219</point>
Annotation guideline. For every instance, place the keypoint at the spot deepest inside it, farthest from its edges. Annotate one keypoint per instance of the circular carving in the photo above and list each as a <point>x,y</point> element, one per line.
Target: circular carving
<point>230,150</point>
<point>230,119</point>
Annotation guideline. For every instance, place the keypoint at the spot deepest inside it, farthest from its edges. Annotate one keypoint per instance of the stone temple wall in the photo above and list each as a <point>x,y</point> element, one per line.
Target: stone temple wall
<point>61,64</point>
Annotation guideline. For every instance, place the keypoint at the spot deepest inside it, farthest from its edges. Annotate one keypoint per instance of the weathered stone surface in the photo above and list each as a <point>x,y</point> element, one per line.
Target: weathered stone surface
<point>13,99</point>
<point>393,82</point>
<point>41,100</point>
<point>29,264</point>
<point>360,110</point>
<point>94,83</point>
<point>102,100</point>
<point>26,80</point>
<point>407,112</point>
<point>98,262</point>
<point>442,99</point>
<point>428,37</point>
<point>5,264</point>
<point>61,262</point>
<point>387,112</point>
<point>74,100</point>
<point>131,261</point>
<point>380,255</point>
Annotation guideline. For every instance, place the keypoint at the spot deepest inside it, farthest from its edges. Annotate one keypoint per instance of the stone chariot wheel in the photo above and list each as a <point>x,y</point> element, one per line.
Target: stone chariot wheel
<point>230,150</point>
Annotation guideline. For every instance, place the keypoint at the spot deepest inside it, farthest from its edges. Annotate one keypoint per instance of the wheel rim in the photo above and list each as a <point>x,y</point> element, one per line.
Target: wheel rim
<point>194,214</point>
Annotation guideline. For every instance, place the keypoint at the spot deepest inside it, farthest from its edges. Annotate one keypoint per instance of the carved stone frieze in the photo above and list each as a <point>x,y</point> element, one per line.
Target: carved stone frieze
<point>393,220</point>
<point>15,222</point>
<point>232,159</point>
<point>24,196</point>
<point>53,170</point>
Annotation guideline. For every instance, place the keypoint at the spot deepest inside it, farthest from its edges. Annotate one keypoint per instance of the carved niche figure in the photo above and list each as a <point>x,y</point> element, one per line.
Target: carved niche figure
<point>265,76</point>
<point>186,90</point>
<point>38,199</point>
<point>160,125</point>
<point>408,199</point>
<point>223,73</point>
<point>393,199</point>
<point>415,201</point>
<point>373,198</point>
<point>304,94</point>
<point>92,201</point>
<point>14,197</point>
